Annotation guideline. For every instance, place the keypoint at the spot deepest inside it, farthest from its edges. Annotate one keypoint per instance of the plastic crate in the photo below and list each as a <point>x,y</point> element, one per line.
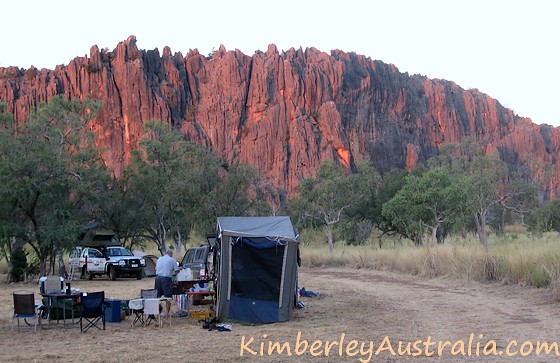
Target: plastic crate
<point>200,314</point>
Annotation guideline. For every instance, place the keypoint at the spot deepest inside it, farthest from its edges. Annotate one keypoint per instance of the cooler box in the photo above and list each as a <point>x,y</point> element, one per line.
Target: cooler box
<point>43,282</point>
<point>113,311</point>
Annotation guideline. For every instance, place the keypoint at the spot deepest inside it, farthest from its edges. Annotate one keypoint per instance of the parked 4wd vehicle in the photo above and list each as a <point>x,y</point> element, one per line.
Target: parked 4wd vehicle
<point>113,261</point>
<point>100,254</point>
<point>200,260</point>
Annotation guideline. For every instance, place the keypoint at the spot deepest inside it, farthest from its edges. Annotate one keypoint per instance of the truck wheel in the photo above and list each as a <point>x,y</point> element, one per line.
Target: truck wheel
<point>113,273</point>
<point>139,275</point>
<point>88,275</point>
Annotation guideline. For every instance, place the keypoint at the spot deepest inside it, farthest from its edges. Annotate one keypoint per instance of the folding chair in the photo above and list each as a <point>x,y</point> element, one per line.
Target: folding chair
<point>136,307</point>
<point>93,310</point>
<point>152,309</point>
<point>25,308</point>
<point>152,312</point>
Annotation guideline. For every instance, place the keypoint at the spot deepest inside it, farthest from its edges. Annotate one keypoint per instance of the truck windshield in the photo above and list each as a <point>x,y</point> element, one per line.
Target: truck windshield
<point>118,251</point>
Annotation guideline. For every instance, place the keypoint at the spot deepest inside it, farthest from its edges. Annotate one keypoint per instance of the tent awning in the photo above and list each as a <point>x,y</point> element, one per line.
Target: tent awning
<point>276,227</point>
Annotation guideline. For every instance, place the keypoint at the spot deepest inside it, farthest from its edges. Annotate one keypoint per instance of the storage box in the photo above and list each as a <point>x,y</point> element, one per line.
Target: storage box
<point>113,311</point>
<point>200,314</point>
<point>52,285</point>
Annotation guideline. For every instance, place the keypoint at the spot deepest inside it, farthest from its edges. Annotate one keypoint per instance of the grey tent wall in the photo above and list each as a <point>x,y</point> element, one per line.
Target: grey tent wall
<point>289,281</point>
<point>224,278</point>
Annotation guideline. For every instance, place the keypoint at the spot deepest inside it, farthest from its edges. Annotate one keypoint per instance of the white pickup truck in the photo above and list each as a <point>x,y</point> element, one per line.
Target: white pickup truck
<point>113,261</point>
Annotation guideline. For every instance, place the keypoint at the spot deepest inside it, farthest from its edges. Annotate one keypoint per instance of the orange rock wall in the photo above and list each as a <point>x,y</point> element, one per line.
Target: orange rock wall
<point>284,112</point>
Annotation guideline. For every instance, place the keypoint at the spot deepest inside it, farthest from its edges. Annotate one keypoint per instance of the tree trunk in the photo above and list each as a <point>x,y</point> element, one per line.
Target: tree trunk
<point>61,266</point>
<point>480,221</point>
<point>434,234</point>
<point>8,260</point>
<point>330,238</point>
<point>43,267</point>
<point>178,243</point>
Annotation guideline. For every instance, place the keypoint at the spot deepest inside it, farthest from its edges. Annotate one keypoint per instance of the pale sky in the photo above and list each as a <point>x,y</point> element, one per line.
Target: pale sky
<point>508,49</point>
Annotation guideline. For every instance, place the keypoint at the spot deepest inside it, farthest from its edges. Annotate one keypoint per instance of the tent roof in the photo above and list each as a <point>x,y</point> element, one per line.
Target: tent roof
<point>99,238</point>
<point>277,227</point>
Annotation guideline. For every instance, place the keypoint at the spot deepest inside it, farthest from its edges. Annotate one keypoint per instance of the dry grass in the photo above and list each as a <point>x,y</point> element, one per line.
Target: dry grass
<point>515,258</point>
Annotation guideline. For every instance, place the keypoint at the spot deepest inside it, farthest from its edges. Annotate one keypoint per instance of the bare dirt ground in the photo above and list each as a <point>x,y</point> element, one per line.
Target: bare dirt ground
<point>354,305</point>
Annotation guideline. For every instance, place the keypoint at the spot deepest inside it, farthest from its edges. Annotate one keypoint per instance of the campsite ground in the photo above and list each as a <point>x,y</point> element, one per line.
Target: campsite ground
<point>361,305</point>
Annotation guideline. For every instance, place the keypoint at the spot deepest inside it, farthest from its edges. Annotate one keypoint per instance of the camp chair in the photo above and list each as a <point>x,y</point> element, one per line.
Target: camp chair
<point>136,307</point>
<point>152,313</point>
<point>93,310</point>
<point>25,308</point>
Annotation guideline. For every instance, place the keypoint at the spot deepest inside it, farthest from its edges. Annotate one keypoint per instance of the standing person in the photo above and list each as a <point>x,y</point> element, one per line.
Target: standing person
<point>166,266</point>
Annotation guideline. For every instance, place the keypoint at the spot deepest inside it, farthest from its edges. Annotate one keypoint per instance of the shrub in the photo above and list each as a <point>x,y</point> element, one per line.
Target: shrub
<point>91,68</point>
<point>19,264</point>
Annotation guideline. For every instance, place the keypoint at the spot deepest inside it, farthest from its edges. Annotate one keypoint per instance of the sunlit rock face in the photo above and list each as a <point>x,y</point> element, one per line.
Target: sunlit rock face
<point>284,112</point>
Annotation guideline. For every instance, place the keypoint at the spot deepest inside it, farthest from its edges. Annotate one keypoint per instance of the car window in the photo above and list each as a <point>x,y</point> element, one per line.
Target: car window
<point>94,254</point>
<point>118,251</point>
<point>189,256</point>
<point>200,254</point>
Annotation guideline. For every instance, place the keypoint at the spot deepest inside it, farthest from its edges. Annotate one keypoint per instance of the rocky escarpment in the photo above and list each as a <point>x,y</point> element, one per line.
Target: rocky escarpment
<point>284,112</point>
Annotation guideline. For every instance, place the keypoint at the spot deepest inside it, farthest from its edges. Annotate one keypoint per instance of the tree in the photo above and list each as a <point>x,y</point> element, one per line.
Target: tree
<point>426,201</point>
<point>391,183</point>
<point>172,186</point>
<point>488,184</point>
<point>49,175</point>
<point>327,197</point>
<point>219,189</point>
<point>118,207</point>
<point>362,215</point>
<point>546,218</point>
<point>160,175</point>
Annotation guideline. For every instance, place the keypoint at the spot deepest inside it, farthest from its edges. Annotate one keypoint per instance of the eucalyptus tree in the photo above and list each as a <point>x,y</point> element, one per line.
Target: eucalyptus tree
<point>489,183</point>
<point>425,202</point>
<point>157,182</point>
<point>222,189</point>
<point>50,174</point>
<point>390,184</point>
<point>173,186</point>
<point>327,198</point>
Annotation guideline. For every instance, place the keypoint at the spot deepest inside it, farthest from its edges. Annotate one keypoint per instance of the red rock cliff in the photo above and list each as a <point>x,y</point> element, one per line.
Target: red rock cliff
<point>284,112</point>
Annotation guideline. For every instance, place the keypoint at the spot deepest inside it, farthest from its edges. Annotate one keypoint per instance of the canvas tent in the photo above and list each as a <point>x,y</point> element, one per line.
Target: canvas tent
<point>95,235</point>
<point>257,268</point>
<point>151,260</point>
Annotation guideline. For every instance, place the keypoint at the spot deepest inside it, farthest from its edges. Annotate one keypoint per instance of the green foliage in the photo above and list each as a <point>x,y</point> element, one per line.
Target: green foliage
<point>355,231</point>
<point>545,219</point>
<point>428,200</point>
<point>49,171</point>
<point>31,73</point>
<point>392,182</point>
<point>172,187</point>
<point>328,198</point>
<point>91,68</point>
